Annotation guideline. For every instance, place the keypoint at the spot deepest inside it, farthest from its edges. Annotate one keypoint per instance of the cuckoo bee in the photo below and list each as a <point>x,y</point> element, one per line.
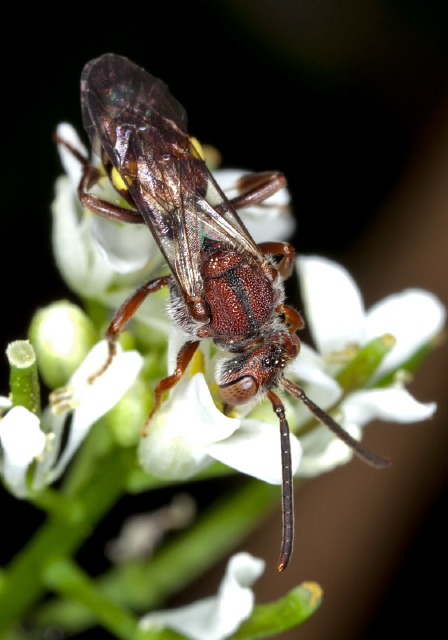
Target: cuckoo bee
<point>223,286</point>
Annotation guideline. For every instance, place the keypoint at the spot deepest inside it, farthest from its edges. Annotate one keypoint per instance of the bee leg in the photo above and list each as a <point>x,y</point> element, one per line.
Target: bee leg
<point>256,187</point>
<point>90,176</point>
<point>103,207</point>
<point>293,318</point>
<point>183,360</point>
<point>287,253</point>
<point>124,314</point>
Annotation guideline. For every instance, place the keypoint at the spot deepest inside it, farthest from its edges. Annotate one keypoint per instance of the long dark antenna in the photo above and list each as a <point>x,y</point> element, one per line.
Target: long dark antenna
<point>287,484</point>
<point>371,458</point>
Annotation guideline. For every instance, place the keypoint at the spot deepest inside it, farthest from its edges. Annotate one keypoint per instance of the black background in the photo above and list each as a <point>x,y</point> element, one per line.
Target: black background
<point>338,97</point>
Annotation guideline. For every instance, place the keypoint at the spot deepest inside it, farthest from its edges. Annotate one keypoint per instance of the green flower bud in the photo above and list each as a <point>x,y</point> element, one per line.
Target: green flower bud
<point>61,335</point>
<point>127,418</point>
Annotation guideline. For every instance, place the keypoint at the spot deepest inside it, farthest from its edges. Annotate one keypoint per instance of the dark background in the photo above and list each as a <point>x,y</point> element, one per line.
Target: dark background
<point>349,100</point>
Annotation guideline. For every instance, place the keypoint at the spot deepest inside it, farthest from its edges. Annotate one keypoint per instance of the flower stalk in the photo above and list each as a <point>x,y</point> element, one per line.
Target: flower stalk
<point>23,378</point>
<point>66,578</point>
<point>146,585</point>
<point>59,538</point>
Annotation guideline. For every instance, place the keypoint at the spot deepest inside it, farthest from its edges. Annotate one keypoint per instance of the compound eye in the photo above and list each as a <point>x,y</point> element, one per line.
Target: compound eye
<point>239,391</point>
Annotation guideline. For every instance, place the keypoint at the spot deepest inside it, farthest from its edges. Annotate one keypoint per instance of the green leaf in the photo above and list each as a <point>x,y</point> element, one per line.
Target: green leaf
<point>268,620</point>
<point>158,634</point>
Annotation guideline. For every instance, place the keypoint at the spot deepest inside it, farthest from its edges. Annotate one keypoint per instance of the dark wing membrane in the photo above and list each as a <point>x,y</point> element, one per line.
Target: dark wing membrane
<point>111,85</point>
<point>225,224</point>
<point>142,129</point>
<point>190,210</point>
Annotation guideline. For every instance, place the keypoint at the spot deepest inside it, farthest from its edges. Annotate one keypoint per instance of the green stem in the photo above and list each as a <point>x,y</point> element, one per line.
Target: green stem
<point>58,505</point>
<point>144,586</point>
<point>23,377</point>
<point>66,578</point>
<point>22,584</point>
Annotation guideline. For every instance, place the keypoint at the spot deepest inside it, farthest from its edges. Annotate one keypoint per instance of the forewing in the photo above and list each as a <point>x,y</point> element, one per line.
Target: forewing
<point>112,86</point>
<point>143,131</point>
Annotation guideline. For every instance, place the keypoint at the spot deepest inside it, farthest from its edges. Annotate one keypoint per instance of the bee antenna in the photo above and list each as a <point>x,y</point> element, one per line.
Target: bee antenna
<point>371,458</point>
<point>287,484</point>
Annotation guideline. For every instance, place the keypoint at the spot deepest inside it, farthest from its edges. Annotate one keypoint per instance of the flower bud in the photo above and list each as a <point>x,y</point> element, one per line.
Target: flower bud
<point>61,335</point>
<point>127,417</point>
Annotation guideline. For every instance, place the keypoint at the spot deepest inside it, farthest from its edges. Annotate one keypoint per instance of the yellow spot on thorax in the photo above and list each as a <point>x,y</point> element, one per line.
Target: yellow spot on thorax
<point>117,180</point>
<point>196,148</point>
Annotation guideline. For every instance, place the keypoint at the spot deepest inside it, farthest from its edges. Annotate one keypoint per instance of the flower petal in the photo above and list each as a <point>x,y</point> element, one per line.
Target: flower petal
<point>413,317</point>
<point>125,247</point>
<point>217,617</point>
<point>92,400</point>
<point>267,221</point>
<point>393,404</point>
<point>309,370</point>
<point>5,403</point>
<point>175,446</point>
<point>77,257</point>
<point>309,367</point>
<point>255,449</point>
<point>22,441</point>
<point>72,167</point>
<point>334,307</point>
<point>322,451</point>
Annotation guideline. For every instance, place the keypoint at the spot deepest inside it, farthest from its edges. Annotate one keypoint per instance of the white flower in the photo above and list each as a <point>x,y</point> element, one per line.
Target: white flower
<point>105,260</point>
<point>25,439</point>
<point>219,616</point>
<point>188,433</point>
<point>337,320</point>
<point>22,441</point>
<point>266,221</point>
<point>93,252</point>
<point>336,316</point>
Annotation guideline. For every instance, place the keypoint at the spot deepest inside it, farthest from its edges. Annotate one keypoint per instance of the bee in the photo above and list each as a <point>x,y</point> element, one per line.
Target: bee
<point>222,285</point>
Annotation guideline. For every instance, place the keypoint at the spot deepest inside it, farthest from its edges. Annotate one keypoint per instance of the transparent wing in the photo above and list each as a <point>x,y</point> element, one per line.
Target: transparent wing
<point>143,130</point>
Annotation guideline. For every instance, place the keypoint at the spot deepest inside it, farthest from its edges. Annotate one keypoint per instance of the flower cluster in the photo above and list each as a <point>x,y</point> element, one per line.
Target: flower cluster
<point>27,439</point>
<point>103,260</point>
<point>357,373</point>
